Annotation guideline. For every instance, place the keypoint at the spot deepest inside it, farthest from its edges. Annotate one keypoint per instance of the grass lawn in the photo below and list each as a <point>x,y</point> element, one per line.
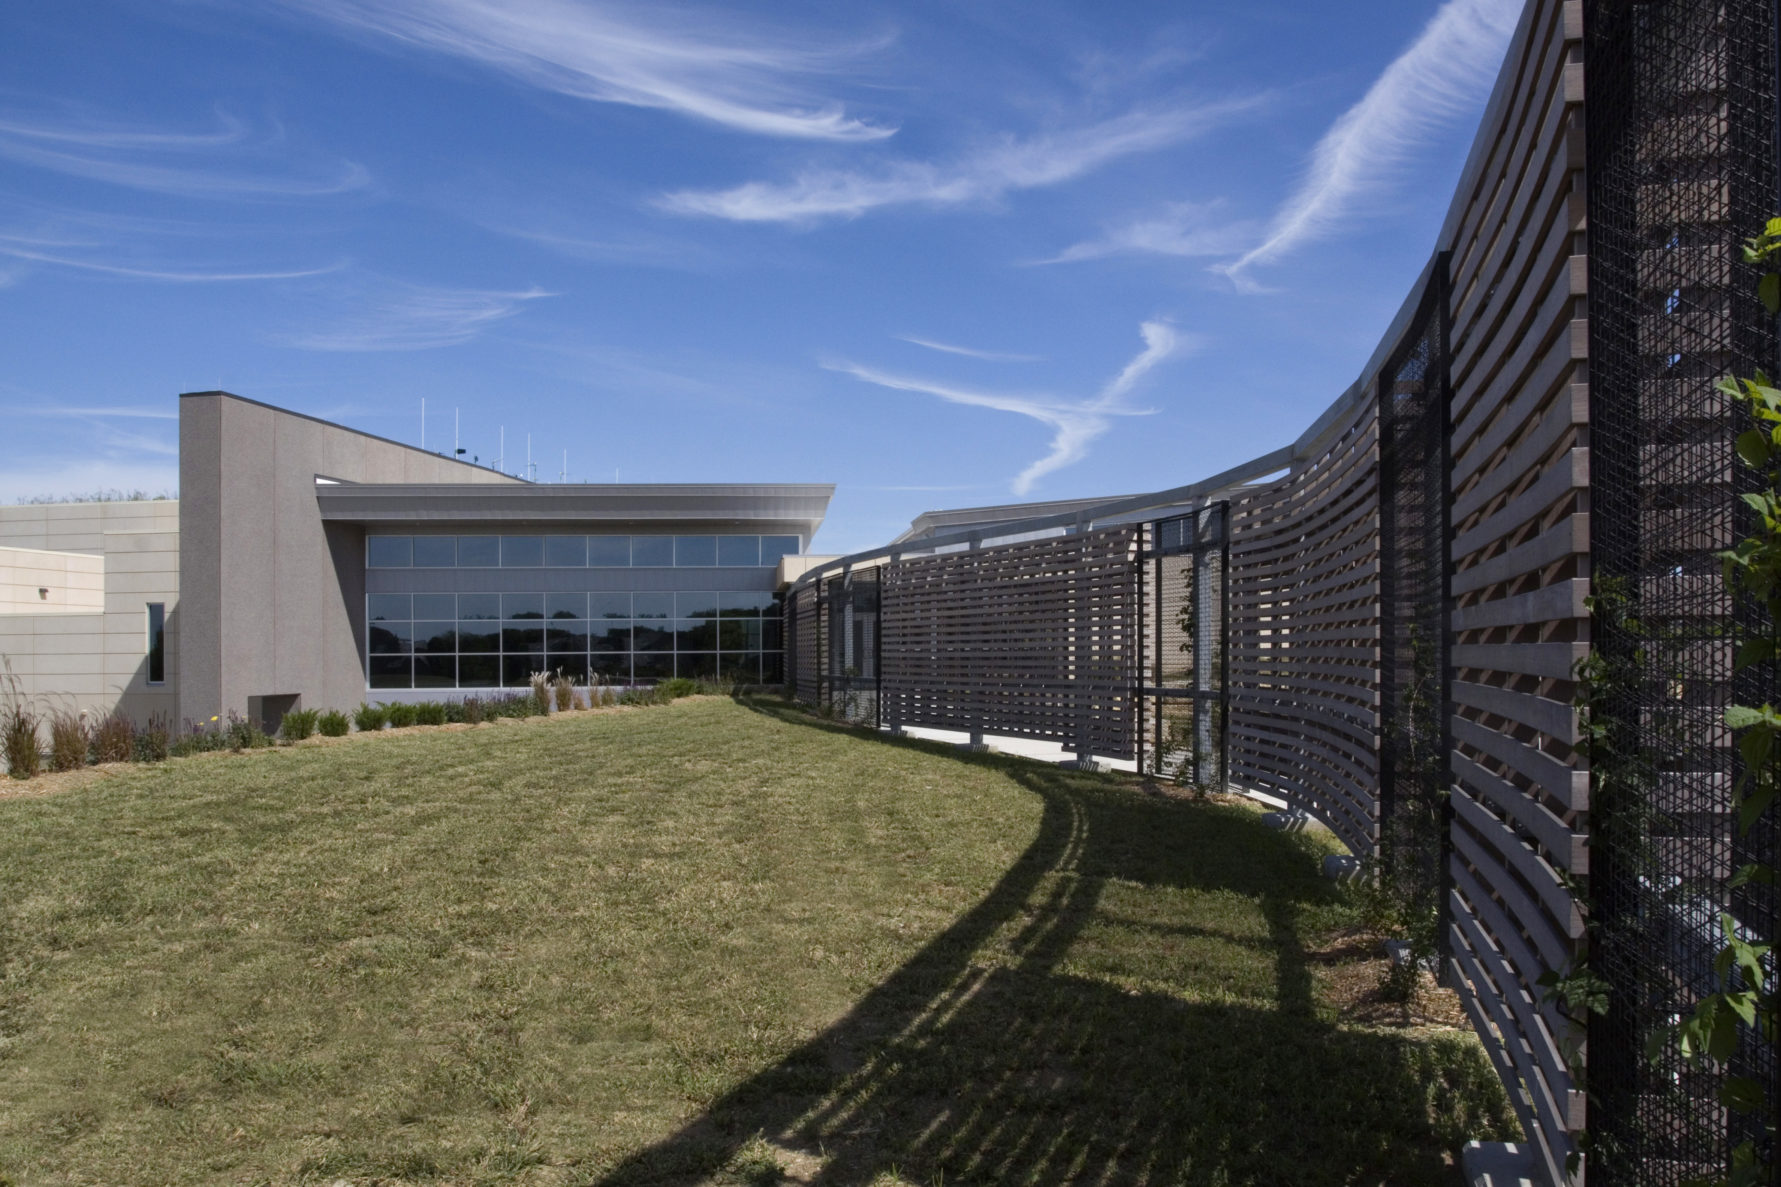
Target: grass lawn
<point>705,942</point>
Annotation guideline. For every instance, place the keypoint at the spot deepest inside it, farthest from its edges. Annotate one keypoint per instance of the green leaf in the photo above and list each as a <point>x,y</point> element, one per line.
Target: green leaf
<point>1753,447</point>
<point>1756,744</point>
<point>1740,717</point>
<point>1755,804</point>
<point>1770,292</point>
<point>1754,651</point>
<point>1742,1094</point>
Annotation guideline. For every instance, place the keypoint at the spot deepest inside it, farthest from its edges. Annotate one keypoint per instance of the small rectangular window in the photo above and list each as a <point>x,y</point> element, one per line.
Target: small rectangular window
<point>774,547</point>
<point>652,605</point>
<point>522,552</point>
<point>652,551</point>
<point>479,552</point>
<point>738,550</point>
<point>479,606</point>
<point>389,552</point>
<point>609,605</point>
<point>157,643</point>
<point>435,552</point>
<point>565,552</point>
<point>395,607</point>
<point>435,606</point>
<point>609,552</point>
<point>695,551</point>
<point>565,605</point>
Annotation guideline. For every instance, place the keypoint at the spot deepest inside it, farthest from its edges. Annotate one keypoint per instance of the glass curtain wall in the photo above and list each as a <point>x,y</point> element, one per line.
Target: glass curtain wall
<point>490,640</point>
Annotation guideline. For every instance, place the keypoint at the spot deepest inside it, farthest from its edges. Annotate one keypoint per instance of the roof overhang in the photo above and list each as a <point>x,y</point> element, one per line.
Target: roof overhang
<point>768,509</point>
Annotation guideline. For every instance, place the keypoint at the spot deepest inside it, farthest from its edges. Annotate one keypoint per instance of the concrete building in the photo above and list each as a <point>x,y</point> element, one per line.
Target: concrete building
<point>310,565</point>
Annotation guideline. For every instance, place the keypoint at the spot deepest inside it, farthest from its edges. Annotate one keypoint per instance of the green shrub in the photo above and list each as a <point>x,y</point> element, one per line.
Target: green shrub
<point>680,686</point>
<point>369,717</point>
<point>298,724</point>
<point>646,695</point>
<point>199,737</point>
<point>471,710</point>
<point>115,739</point>
<point>332,723</point>
<point>154,741</point>
<point>716,686</point>
<point>68,740</point>
<point>399,714</point>
<point>242,733</point>
<point>429,713</point>
<point>512,704</point>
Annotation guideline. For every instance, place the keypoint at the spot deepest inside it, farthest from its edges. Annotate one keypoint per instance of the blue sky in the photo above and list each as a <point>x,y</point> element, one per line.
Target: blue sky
<point>940,254</point>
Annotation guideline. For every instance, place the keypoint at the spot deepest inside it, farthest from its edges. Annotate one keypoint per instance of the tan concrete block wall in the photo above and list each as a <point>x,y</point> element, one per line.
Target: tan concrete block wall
<point>95,656</point>
<point>36,581</point>
<point>81,527</point>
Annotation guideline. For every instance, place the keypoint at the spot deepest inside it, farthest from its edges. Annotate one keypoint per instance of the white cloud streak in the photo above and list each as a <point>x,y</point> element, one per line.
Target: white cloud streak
<point>695,64</point>
<point>1183,230</point>
<point>1075,424</point>
<point>160,161</point>
<point>989,174</point>
<point>90,413</point>
<point>1442,74</point>
<point>413,317</point>
<point>990,356</point>
<point>180,277</point>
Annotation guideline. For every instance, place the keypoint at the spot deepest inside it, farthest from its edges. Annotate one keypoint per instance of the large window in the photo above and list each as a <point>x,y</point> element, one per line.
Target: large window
<point>575,552</point>
<point>495,640</point>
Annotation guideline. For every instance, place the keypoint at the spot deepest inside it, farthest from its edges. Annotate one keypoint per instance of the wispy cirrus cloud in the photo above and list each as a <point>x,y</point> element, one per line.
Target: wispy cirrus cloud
<point>989,356</point>
<point>1445,72</point>
<point>391,315</point>
<point>221,163</point>
<point>699,64</point>
<point>78,413</point>
<point>990,173</point>
<point>1182,229</point>
<point>1075,423</point>
<point>176,276</point>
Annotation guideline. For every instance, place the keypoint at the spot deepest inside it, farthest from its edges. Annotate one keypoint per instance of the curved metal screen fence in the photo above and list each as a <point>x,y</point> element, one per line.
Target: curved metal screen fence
<point>1382,624</point>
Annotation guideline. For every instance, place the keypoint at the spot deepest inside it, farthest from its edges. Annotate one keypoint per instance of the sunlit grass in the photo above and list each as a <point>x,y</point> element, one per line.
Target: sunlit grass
<point>703,941</point>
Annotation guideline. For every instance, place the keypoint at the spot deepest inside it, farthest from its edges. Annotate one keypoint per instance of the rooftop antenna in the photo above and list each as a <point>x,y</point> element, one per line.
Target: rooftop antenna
<point>502,460</point>
<point>455,451</point>
<point>564,476</point>
<point>531,470</point>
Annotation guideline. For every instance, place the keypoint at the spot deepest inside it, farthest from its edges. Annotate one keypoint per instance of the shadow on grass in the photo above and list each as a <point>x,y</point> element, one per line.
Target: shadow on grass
<point>995,1063</point>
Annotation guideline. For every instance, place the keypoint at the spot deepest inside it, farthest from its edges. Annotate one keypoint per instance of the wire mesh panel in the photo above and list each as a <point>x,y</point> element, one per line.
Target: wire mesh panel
<point>803,640</point>
<point>1413,659</point>
<point>1304,634</point>
<point>1037,639</point>
<point>853,603</point>
<point>1682,168</point>
<point>1185,714</point>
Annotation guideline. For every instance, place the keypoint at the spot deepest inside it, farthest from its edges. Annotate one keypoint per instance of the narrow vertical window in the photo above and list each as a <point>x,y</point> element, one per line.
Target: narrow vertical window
<point>157,643</point>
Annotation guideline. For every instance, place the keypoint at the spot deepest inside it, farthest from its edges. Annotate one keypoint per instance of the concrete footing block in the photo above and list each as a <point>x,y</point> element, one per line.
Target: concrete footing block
<point>1341,869</point>
<point>1287,822</point>
<point>1498,1164</point>
<point>1081,764</point>
<point>974,747</point>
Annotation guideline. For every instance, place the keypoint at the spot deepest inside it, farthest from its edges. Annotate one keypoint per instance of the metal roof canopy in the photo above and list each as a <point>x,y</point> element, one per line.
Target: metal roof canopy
<point>765,509</point>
